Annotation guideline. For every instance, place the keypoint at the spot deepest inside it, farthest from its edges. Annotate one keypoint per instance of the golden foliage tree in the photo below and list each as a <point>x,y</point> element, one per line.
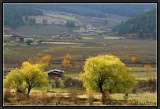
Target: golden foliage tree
<point>106,73</point>
<point>66,60</point>
<point>40,60</point>
<point>133,59</point>
<point>27,77</point>
<point>46,59</point>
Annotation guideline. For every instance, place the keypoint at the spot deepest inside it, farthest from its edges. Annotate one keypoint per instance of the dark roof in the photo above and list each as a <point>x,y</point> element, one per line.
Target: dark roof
<point>18,36</point>
<point>55,71</point>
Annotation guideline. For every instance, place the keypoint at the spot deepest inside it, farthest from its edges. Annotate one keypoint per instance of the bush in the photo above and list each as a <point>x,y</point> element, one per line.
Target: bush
<point>145,85</point>
<point>152,84</point>
<point>77,83</point>
<point>40,98</point>
<point>7,94</point>
<point>57,82</point>
<point>21,96</point>
<point>69,82</point>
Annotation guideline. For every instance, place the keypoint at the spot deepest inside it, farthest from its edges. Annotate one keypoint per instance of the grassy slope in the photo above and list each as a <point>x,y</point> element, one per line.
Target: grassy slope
<point>64,17</point>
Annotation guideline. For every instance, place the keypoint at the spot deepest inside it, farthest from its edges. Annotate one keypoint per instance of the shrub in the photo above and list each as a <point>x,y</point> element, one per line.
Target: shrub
<point>21,96</point>
<point>145,85</point>
<point>69,82</point>
<point>152,84</point>
<point>7,94</point>
<point>76,83</point>
<point>57,82</point>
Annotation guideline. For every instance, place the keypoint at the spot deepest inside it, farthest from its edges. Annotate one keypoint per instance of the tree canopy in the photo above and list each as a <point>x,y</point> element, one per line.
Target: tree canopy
<point>106,73</point>
<point>27,77</point>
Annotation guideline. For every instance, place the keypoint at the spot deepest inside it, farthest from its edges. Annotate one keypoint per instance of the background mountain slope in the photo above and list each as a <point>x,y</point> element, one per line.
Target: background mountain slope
<point>143,24</point>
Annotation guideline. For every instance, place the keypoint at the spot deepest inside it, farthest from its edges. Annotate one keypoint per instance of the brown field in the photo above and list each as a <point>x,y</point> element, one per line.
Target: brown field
<point>50,20</point>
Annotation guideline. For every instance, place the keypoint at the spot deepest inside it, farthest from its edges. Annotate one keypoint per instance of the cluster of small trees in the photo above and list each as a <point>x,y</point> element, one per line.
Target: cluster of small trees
<point>70,24</point>
<point>30,21</point>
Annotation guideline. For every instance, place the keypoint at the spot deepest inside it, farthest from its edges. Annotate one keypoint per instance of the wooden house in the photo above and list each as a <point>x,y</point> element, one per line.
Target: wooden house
<point>91,31</point>
<point>17,38</point>
<point>52,74</point>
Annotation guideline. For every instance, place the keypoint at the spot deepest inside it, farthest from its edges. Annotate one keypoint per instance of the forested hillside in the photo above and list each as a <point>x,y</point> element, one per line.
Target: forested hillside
<point>99,10</point>
<point>143,24</point>
<point>14,13</point>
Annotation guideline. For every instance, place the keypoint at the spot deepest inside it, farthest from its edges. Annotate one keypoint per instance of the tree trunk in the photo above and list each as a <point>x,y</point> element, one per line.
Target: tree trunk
<point>103,93</point>
<point>29,89</point>
<point>103,97</point>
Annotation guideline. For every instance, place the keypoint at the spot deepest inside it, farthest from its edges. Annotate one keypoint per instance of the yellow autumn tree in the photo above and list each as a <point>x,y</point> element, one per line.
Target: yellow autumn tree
<point>46,59</point>
<point>133,59</point>
<point>106,73</point>
<point>40,60</point>
<point>66,60</point>
<point>27,77</point>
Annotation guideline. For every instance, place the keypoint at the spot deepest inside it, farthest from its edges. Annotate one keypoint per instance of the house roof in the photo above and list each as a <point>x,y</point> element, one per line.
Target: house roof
<point>55,71</point>
<point>18,36</point>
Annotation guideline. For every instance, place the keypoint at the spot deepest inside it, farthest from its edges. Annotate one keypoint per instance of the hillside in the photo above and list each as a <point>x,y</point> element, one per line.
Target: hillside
<point>144,25</point>
<point>14,13</point>
<point>99,10</point>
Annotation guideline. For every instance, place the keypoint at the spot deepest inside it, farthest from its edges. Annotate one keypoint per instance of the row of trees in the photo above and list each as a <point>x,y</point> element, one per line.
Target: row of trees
<point>144,25</point>
<point>103,73</point>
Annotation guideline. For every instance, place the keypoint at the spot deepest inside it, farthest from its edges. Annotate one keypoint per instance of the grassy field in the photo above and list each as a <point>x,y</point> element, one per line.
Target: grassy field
<point>63,43</point>
<point>41,30</point>
<point>112,37</point>
<point>87,38</point>
<point>80,31</point>
<point>144,50</point>
<point>100,31</point>
<point>64,17</point>
<point>41,97</point>
<point>139,74</point>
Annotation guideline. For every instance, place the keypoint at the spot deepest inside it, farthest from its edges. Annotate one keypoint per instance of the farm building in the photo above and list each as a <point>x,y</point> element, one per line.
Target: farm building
<point>55,74</point>
<point>91,31</point>
<point>17,38</point>
<point>25,39</point>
